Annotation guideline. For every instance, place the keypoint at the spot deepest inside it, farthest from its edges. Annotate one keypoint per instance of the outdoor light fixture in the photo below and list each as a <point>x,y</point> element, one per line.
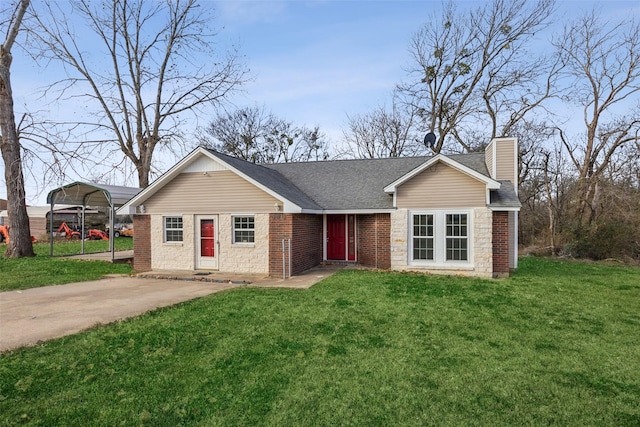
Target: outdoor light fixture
<point>277,206</point>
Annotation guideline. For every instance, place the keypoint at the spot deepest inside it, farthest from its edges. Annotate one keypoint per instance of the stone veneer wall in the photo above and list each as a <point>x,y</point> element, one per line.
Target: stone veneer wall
<point>142,243</point>
<point>231,258</point>
<point>374,231</point>
<point>252,259</point>
<point>172,255</point>
<point>482,249</point>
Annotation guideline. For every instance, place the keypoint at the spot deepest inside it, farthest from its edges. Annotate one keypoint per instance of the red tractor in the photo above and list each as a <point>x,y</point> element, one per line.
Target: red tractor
<point>4,234</point>
<point>68,232</point>
<point>94,234</point>
<point>91,234</point>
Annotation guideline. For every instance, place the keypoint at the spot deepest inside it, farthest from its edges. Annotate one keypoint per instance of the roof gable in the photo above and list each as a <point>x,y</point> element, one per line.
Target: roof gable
<point>203,160</point>
<point>457,165</point>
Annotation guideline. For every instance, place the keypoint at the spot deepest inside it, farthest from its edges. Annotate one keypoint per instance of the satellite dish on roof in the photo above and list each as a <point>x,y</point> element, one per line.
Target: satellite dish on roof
<point>430,140</point>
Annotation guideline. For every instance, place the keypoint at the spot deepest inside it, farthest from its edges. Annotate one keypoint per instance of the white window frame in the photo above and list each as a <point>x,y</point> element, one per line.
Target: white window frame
<point>234,229</point>
<point>427,237</point>
<point>165,229</point>
<point>440,239</point>
<point>456,236</point>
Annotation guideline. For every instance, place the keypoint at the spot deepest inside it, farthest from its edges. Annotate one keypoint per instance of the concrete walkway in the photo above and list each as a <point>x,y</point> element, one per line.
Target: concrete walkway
<point>31,316</point>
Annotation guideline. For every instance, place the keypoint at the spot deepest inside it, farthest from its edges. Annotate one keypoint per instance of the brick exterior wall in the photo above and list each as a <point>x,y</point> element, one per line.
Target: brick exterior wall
<point>305,232</point>
<point>306,246</point>
<point>142,243</point>
<point>374,240</point>
<point>500,244</point>
<point>280,227</point>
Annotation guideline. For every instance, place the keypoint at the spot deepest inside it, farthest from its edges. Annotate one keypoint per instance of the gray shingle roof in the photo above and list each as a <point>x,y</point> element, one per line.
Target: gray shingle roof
<point>272,179</point>
<point>505,197</point>
<point>350,184</point>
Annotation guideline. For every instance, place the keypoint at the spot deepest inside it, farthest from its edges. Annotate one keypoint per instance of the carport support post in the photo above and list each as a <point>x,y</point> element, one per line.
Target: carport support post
<point>51,228</point>
<point>82,229</point>
<point>112,246</point>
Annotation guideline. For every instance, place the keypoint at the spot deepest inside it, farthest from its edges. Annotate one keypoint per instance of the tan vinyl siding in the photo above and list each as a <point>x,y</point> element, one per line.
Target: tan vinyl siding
<point>505,159</point>
<point>488,158</point>
<point>441,186</point>
<point>216,192</point>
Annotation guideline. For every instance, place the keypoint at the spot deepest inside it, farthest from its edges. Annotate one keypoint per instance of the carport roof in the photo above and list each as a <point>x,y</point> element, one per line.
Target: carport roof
<point>91,194</point>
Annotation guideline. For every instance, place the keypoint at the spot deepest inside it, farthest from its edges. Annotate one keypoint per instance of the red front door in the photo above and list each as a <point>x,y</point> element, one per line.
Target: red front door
<point>206,250</point>
<point>336,237</point>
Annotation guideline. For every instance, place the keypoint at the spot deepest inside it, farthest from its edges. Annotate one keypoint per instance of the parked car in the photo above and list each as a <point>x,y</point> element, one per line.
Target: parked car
<point>124,232</point>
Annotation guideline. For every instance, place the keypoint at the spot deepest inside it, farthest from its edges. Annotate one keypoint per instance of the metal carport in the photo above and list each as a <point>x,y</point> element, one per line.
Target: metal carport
<point>91,194</point>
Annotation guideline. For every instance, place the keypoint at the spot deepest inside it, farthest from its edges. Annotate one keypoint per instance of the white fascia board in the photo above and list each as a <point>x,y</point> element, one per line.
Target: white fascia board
<point>503,209</point>
<point>491,183</point>
<point>346,211</point>
<point>289,207</point>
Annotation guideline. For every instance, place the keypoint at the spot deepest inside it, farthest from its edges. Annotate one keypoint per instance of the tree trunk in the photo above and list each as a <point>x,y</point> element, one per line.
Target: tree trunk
<point>19,235</point>
<point>20,244</point>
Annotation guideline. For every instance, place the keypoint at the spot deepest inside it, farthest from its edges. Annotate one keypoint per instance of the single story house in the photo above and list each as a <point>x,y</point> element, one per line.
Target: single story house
<point>447,214</point>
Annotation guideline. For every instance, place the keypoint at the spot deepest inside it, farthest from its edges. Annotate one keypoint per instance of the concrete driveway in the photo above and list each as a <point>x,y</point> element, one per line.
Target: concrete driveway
<point>35,315</point>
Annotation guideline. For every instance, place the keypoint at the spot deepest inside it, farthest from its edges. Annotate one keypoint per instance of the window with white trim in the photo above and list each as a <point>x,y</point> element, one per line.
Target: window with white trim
<point>439,237</point>
<point>172,228</point>
<point>457,237</point>
<point>243,229</point>
<point>423,237</point>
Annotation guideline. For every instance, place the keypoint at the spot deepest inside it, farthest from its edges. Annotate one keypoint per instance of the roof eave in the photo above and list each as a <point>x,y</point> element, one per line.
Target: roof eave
<point>504,208</point>
<point>347,211</point>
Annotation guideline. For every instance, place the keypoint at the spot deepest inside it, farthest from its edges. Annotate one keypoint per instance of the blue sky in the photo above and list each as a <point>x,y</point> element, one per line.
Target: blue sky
<point>312,62</point>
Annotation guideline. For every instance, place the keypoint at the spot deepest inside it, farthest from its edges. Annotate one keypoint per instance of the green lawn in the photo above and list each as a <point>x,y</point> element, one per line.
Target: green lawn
<point>556,344</point>
<point>42,270</point>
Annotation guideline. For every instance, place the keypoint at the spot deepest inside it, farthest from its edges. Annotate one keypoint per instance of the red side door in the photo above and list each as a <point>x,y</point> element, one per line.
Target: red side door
<point>336,237</point>
<point>207,238</point>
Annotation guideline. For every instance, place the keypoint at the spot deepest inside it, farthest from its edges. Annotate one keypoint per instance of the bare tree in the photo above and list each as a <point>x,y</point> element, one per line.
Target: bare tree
<point>476,64</point>
<point>150,65</point>
<point>258,136</point>
<point>20,244</point>
<point>602,70</point>
<point>382,133</point>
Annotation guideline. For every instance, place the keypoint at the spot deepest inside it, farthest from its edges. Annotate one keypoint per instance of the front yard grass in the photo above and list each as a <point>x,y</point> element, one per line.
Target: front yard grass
<point>556,344</point>
<point>42,270</point>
